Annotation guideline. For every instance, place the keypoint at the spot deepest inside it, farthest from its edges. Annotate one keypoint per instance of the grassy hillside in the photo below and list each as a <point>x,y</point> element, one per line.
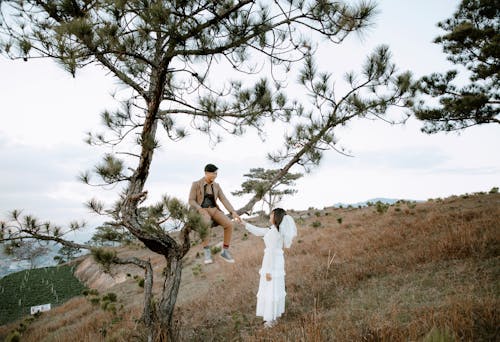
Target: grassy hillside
<point>19,291</point>
<point>424,271</point>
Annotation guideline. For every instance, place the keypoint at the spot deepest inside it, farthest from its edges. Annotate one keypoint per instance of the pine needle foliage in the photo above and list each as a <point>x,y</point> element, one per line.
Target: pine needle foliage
<point>471,40</point>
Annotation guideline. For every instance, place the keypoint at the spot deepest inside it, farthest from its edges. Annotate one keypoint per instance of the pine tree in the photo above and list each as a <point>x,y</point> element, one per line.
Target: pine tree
<point>259,179</point>
<point>472,40</point>
<point>109,234</point>
<point>165,53</point>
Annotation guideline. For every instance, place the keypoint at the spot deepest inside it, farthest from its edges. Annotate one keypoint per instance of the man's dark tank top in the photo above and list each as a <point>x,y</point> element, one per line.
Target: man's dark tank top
<point>208,199</point>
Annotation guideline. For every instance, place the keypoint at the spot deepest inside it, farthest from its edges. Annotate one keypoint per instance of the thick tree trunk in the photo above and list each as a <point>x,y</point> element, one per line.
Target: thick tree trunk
<point>147,314</point>
<point>166,306</point>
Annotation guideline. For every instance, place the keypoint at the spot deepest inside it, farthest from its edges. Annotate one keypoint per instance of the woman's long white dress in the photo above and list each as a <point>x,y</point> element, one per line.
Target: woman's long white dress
<point>271,294</point>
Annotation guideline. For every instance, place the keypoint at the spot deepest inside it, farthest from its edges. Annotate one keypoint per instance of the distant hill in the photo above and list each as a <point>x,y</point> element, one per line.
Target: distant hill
<point>373,200</point>
<point>9,264</point>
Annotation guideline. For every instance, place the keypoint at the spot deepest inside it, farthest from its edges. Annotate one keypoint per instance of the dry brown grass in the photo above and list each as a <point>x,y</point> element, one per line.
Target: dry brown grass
<point>410,274</point>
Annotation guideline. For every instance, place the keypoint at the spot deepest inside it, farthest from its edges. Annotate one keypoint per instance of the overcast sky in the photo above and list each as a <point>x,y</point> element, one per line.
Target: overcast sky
<point>45,114</point>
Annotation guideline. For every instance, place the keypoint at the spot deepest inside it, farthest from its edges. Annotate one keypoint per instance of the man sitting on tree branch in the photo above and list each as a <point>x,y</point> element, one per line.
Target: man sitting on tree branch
<point>203,197</point>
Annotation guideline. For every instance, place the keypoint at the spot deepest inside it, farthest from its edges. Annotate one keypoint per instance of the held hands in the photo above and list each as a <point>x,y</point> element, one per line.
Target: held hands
<point>268,277</point>
<point>236,217</point>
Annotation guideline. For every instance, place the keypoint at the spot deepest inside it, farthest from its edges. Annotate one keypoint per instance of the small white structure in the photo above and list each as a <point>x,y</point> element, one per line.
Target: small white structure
<point>40,308</point>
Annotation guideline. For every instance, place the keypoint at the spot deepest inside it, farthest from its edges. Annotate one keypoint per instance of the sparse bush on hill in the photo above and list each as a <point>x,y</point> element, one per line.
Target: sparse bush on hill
<point>196,269</point>
<point>95,300</point>
<point>110,296</point>
<point>105,257</point>
<point>494,190</point>
<point>411,205</point>
<point>381,207</point>
<point>316,224</point>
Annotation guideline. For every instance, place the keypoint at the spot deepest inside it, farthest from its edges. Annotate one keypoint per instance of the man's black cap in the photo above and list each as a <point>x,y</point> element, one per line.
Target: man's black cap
<point>210,168</point>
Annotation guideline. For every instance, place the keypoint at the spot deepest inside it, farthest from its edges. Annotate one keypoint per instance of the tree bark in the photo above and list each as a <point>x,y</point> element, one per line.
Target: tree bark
<point>148,311</point>
<point>147,314</point>
<point>166,331</point>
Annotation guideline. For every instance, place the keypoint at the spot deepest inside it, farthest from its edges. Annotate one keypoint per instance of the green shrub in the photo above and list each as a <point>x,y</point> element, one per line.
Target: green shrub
<point>381,207</point>
<point>112,308</point>
<point>110,297</point>
<point>317,213</point>
<point>339,220</point>
<point>140,282</point>
<point>108,306</point>
<point>494,190</point>
<point>104,257</point>
<point>196,269</point>
<point>316,224</point>
<point>95,300</point>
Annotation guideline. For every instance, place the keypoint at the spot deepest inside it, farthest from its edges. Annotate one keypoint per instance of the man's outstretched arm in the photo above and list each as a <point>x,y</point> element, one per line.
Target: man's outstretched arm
<point>228,205</point>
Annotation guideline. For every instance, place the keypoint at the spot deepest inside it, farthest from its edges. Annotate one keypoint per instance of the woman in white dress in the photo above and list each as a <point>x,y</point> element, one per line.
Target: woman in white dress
<point>271,294</point>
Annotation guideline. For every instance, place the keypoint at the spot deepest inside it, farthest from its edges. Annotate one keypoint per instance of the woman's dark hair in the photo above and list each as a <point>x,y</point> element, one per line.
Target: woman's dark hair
<point>279,213</point>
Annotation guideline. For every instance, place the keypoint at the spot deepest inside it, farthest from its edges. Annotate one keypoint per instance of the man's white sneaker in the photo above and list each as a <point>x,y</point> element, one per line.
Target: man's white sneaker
<point>226,255</point>
<point>208,256</point>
